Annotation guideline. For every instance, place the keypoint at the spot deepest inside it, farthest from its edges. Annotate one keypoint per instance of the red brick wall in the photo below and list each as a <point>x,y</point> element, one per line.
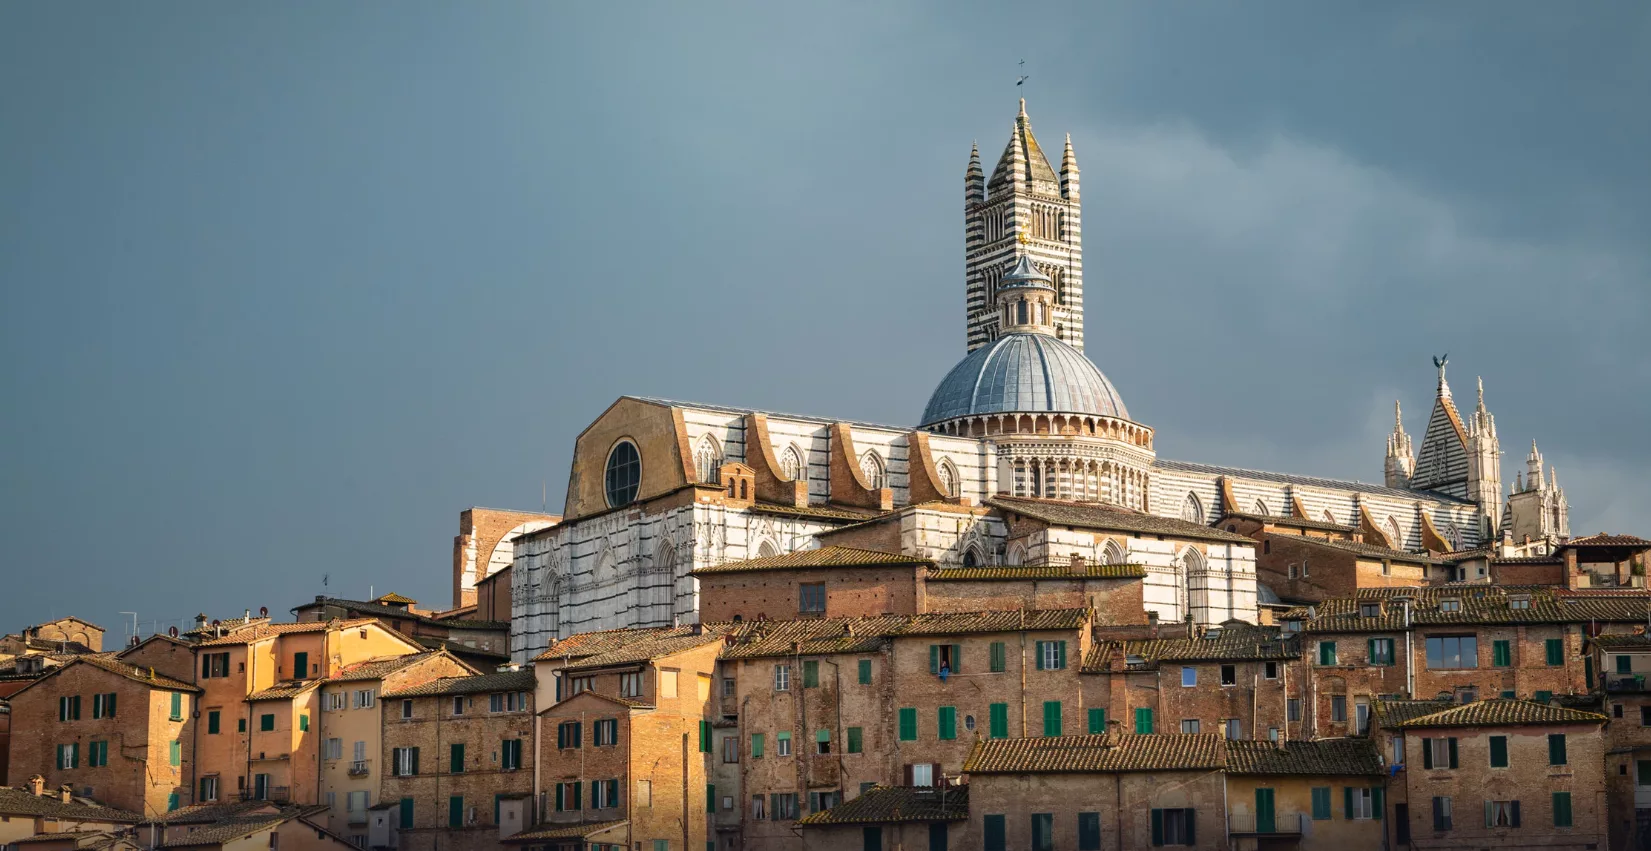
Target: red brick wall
<point>850,592</point>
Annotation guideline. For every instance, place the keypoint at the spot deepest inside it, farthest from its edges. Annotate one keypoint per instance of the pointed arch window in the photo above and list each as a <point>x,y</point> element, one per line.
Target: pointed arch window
<point>1192,510</point>
<point>792,465</point>
<point>971,557</point>
<point>707,459</point>
<point>1394,535</point>
<point>1261,508</point>
<point>1112,553</point>
<point>872,467</point>
<point>948,478</point>
<point>767,550</point>
<point>664,558</point>
<point>1192,560</point>
<point>1017,554</point>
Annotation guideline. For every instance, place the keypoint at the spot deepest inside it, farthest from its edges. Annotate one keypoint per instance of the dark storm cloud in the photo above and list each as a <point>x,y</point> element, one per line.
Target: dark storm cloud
<point>287,287</point>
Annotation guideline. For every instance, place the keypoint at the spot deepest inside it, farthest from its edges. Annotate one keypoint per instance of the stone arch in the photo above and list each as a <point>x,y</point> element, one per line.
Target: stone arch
<point>504,552</point>
<point>707,459</point>
<point>1394,536</point>
<point>767,549</point>
<point>973,557</point>
<point>1453,536</point>
<point>1192,510</point>
<point>1112,553</point>
<point>1190,563</point>
<point>794,464</point>
<point>871,466</point>
<point>1261,508</point>
<point>1017,554</point>
<point>1328,517</point>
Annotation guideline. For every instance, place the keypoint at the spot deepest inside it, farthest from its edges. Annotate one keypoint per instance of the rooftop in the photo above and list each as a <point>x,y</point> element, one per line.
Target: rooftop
<point>588,644</point>
<point>1501,713</point>
<point>757,639</point>
<point>1604,540</point>
<point>1470,604</point>
<point>1306,481</point>
<point>1342,757</point>
<point>895,804</point>
<point>565,831</point>
<point>649,648</point>
<point>832,556</point>
<point>502,681</point>
<point>1039,571</point>
<point>19,802</point>
<point>1103,753</point>
<point>1111,518</point>
<point>271,630</point>
<point>1292,522</point>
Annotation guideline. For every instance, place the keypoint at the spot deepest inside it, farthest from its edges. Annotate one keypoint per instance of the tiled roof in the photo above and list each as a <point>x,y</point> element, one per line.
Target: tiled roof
<point>1292,522</point>
<point>270,630</point>
<point>286,690</point>
<point>756,639</point>
<point>459,649</point>
<point>393,597</point>
<point>648,649</point>
<point>207,813</point>
<point>502,681</point>
<point>1026,571</point>
<point>1088,515</point>
<point>1623,642</point>
<point>1322,757</point>
<point>822,557</point>
<point>1604,540</point>
<point>1526,560</point>
<point>1231,644</point>
<point>1478,604</point>
<point>587,644</point>
<point>1497,713</point>
<point>811,512</point>
<point>380,610</point>
<point>108,662</point>
<point>18,802</point>
<point>1097,754</point>
<point>380,667</point>
<point>894,804</point>
<point>226,624</point>
<point>1370,550</point>
<point>1306,481</point>
<point>218,833</point>
<point>1393,713</point>
<point>75,835</point>
<point>74,647</point>
<point>564,831</point>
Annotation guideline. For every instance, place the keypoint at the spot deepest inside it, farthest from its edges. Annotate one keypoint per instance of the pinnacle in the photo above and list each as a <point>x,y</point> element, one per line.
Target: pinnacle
<point>1022,108</point>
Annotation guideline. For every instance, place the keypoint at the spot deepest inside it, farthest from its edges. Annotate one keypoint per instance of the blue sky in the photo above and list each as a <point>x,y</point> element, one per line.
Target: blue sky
<point>288,286</point>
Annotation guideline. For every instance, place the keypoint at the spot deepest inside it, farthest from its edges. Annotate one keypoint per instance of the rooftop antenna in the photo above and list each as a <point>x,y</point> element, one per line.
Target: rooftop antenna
<point>544,496</point>
<point>134,622</point>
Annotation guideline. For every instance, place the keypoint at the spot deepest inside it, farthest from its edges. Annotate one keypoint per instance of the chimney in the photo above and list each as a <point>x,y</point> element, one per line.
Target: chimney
<point>1077,561</point>
<point>696,628</point>
<point>1152,622</point>
<point>1192,628</point>
<point>66,794</point>
<point>200,621</point>
<point>37,785</point>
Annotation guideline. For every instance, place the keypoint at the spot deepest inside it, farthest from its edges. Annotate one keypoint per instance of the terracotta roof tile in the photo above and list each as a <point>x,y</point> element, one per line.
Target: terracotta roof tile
<point>1097,754</point>
<point>822,557</point>
<point>599,642</point>
<point>1026,571</point>
<point>1392,713</point>
<point>1292,522</point>
<point>1623,642</point>
<point>1231,644</point>
<point>18,802</point>
<point>393,597</point>
<point>1476,604</point>
<point>379,668</point>
<point>1356,757</point>
<point>1088,515</point>
<point>1370,550</point>
<point>502,681</point>
<point>1603,540</point>
<point>812,512</point>
<point>1500,713</point>
<point>648,649</point>
<point>755,639</point>
<point>286,690</point>
<point>895,804</point>
<point>270,630</point>
<point>379,610</point>
<point>1309,481</point>
<point>564,831</point>
<point>217,833</point>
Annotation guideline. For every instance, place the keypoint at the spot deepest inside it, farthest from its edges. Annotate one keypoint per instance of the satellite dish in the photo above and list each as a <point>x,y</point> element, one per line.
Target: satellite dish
<point>263,611</point>
<point>172,631</point>
<point>215,623</point>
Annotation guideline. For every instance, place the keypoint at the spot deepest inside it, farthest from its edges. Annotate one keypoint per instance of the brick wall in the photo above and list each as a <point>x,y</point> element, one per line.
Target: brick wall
<point>850,592</point>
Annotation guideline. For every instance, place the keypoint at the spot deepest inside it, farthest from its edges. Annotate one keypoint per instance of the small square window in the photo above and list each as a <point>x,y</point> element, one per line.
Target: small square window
<point>1450,605</point>
<point>1370,610</point>
<point>1229,675</point>
<point>1270,671</point>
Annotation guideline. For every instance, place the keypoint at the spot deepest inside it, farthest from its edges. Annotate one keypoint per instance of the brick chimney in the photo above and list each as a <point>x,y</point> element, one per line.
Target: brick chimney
<point>66,794</point>
<point>37,785</point>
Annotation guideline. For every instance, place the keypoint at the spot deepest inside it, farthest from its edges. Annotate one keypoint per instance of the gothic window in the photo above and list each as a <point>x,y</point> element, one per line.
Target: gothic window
<point>1453,536</point>
<point>767,550</point>
<point>707,459</point>
<point>792,465</point>
<point>664,558</point>
<point>1394,535</point>
<point>971,557</point>
<point>1192,510</point>
<point>1329,518</point>
<point>872,467</point>
<point>1112,553</point>
<point>1017,554</point>
<point>948,478</point>
<point>624,474</point>
<point>1261,508</point>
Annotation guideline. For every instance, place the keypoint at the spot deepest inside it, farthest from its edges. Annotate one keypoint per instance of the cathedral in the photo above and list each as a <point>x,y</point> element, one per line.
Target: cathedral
<point>1025,457</point>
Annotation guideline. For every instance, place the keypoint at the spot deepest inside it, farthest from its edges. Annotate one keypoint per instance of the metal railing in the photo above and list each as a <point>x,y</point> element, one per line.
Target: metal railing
<point>1248,823</point>
<point>358,767</point>
<point>1626,683</point>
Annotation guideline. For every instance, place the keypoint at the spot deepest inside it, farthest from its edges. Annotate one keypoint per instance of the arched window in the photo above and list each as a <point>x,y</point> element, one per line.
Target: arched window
<point>1328,517</point>
<point>1453,536</point>
<point>1017,554</point>
<point>707,459</point>
<point>1192,510</point>
<point>624,474</point>
<point>872,467</point>
<point>1020,312</point>
<point>1192,560</point>
<point>1394,535</point>
<point>971,557</point>
<point>1261,508</point>
<point>1112,553</point>
<point>792,465</point>
<point>767,550</point>
<point>664,558</point>
<point>948,478</point>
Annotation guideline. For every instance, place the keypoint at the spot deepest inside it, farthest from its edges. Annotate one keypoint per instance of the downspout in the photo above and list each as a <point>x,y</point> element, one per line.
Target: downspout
<point>1226,820</point>
<point>1023,675</point>
<point>1285,674</point>
<point>1255,706</point>
<point>1409,661</point>
<point>1118,794</point>
<point>252,678</point>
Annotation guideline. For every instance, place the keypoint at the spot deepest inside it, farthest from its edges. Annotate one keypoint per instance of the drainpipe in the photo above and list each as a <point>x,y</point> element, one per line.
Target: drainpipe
<point>1409,661</point>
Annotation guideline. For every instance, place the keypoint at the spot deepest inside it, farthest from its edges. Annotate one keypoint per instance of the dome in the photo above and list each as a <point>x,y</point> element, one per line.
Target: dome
<point>1024,373</point>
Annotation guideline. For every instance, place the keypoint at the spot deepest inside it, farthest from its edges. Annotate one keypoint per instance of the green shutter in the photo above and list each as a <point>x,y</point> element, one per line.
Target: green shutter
<point>855,740</point>
<point>266,722</point>
<point>1556,651</point>
<point>1452,741</point>
<point>1051,718</point>
<point>1000,657</point>
<point>998,725</point>
<point>1377,807</point>
<point>578,793</point>
<point>947,720</point>
<point>1097,721</point>
<point>908,724</point>
<point>710,797</point>
<point>756,744</point>
<point>1370,651</point>
<point>1562,809</point>
<point>175,754</point>
<point>1143,720</point>
<point>704,737</point>
<point>865,672</point>
<point>300,666</point>
<point>455,758</point>
<point>1321,803</point>
<point>1427,753</point>
<point>172,802</point>
<point>1037,653</point>
<point>957,658</point>
<point>1327,652</point>
<point>811,674</point>
<point>75,703</point>
<point>1498,751</point>
<point>1060,655</point>
<point>1501,653</point>
<point>934,658</point>
<point>496,799</point>
<point>212,722</point>
<point>407,813</point>
<point>1642,772</point>
<point>1347,802</point>
<point>561,795</point>
<point>1157,828</point>
<point>1556,748</point>
<point>995,838</point>
<point>303,723</point>
<point>240,725</point>
<point>455,811</point>
<point>1625,664</point>
<point>177,705</point>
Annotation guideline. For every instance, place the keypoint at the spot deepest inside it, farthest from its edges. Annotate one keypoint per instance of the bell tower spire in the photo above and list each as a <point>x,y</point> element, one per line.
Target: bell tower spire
<point>1401,462</point>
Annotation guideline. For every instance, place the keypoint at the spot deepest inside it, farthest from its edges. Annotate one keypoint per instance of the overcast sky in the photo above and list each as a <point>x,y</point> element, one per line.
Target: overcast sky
<point>287,286</point>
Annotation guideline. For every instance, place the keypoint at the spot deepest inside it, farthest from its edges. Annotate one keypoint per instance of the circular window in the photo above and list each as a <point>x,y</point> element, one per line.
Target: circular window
<point>624,474</point>
<point>968,722</point>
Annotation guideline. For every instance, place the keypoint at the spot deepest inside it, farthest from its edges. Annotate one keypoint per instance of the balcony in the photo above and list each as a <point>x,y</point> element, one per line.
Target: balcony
<point>358,768</point>
<point>1287,824</point>
<point>1626,684</point>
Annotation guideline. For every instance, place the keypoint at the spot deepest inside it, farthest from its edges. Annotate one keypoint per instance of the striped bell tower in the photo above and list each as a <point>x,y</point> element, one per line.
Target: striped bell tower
<point>1025,208</point>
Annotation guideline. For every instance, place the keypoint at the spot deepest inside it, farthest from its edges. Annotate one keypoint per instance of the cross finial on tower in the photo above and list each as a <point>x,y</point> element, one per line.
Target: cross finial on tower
<point>1021,81</point>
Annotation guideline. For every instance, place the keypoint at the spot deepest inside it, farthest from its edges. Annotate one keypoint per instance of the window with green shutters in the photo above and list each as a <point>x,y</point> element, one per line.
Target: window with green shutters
<point>455,758</point>
<point>172,802</point>
<point>303,723</point>
<point>865,672</point>
<point>1562,809</point>
<point>1321,803</point>
<point>1556,651</point>
<point>300,666</point>
<point>997,725</point>
<point>937,837</point>
<point>1556,748</point>
<point>1051,655</point>
<point>1380,651</point>
<point>710,797</point>
<point>266,722</point>
<point>1000,657</point>
<point>1097,721</point>
<point>908,724</point>
<point>948,655</point>
<point>1501,654</point>
<point>995,833</point>
<point>1625,664</point>
<point>756,745</point>
<point>1089,832</point>
<point>1327,652</point>
<point>947,722</point>
<point>212,722</point>
<point>240,725</point>
<point>177,706</point>
<point>174,753</point>
<point>1043,832</point>
<point>455,811</point>
<point>406,813</point>
<point>811,674</point>
<point>856,739</point>
<point>1498,751</point>
<point>871,838</point>
<point>1051,718</point>
<point>704,737</point>
<point>1143,720</point>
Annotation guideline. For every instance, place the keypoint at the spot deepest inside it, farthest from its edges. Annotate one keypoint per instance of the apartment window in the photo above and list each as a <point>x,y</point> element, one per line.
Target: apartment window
<point>1516,602</point>
<point>455,811</point>
<point>1052,718</point>
<point>1234,729</point>
<point>214,665</point>
<point>999,657</point>
<point>1562,809</point>
<point>1174,827</point>
<point>630,685</point>
<point>1143,720</point>
<point>510,754</point>
<point>1501,653</point>
<point>1501,813</point>
<point>1269,670</point>
<point>784,806</point>
<point>1097,721</point>
<point>570,796</point>
<point>1189,726</point>
<point>1089,832</point>
<point>995,834</point>
<point>303,723</point>
<point>1043,832</point>
<point>1556,749</point>
<point>864,666</point>
<point>605,732</point>
<point>946,722</point>
<point>1327,652</point>
<point>569,735</point>
<point>1381,651</point>
<point>209,789</point>
<point>1370,610</point>
<point>1229,675</point>
<point>406,761</point>
<point>811,674</point>
<point>68,756</point>
<point>495,702</point>
<point>406,709</point>
<point>337,700</point>
<point>333,749</point>
<point>1451,605</point>
<point>98,754</point>
<point>240,725</point>
<point>1189,677</point>
<point>782,677</point>
<point>1051,655</point>
<point>908,724</point>
<point>856,739</point>
<point>458,706</point>
<point>364,698</point>
<point>922,774</point>
<point>455,758</point>
<point>103,705</point>
<point>997,721</point>
<point>756,746</point>
<point>266,723</point>
<point>1272,734</point>
<point>819,801</point>
<point>1439,753</point>
<point>1292,709</point>
<point>1338,708</point>
<point>811,598</point>
<point>782,743</point>
<point>730,749</point>
<point>1555,648</point>
<point>1359,803</point>
<point>759,808</point>
<point>1498,751</point>
<point>1441,812</point>
<point>1452,651</point>
<point>214,721</point>
<point>604,794</point>
<point>583,684</point>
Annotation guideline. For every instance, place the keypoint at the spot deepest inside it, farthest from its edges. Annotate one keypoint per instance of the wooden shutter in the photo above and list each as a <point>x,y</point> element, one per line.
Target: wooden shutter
<point>1037,651</point>
<point>415,760</point>
<point>1097,721</point>
<point>1556,749</point>
<point>1347,803</point>
<point>1499,751</point>
<point>1452,741</point>
<point>934,658</point>
<point>1513,807</point>
<point>999,660</point>
<point>455,758</point>
<point>1378,808</point>
<point>957,658</point>
<point>1438,813</point>
<point>865,672</point>
<point>1060,655</point>
<point>1427,753</point>
<point>998,724</point>
<point>561,791</point>
<point>1192,825</point>
<point>995,838</point>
